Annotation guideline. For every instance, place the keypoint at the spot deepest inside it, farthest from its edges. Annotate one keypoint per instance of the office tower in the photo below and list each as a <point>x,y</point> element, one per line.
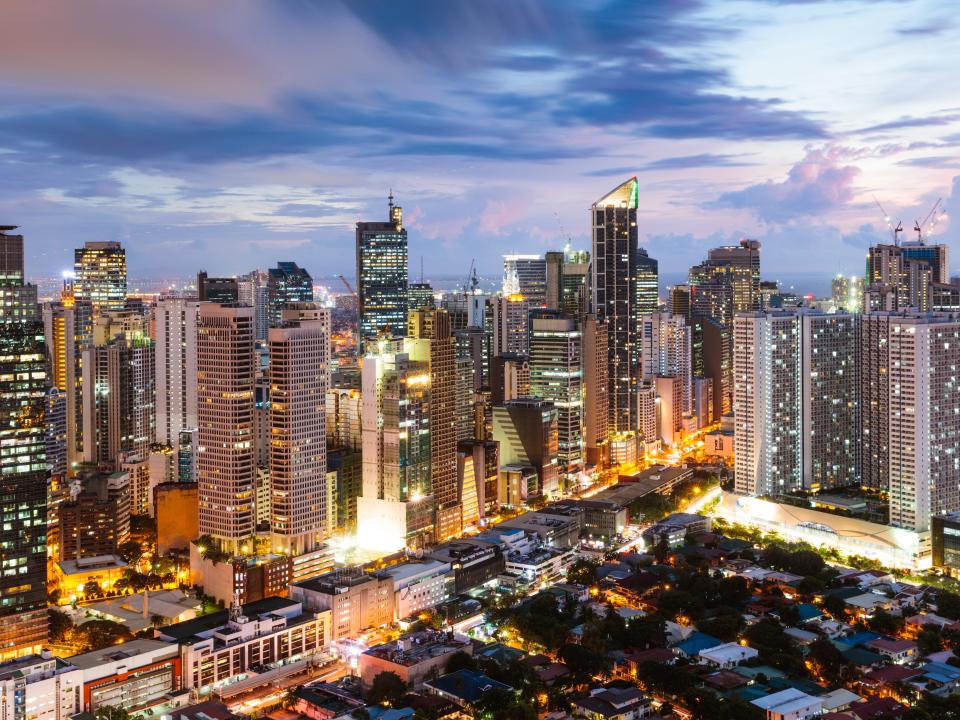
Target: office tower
<point>647,280</point>
<point>286,283</point>
<point>726,283</point>
<point>68,328</point>
<point>175,352</point>
<point>433,327</point>
<point>55,415</point>
<point>486,464</point>
<point>252,291</point>
<point>396,508</point>
<point>595,387</point>
<point>343,424</point>
<point>261,419</point>
<point>567,289</point>
<point>23,462</point>
<point>221,290</point>
<point>299,379</point>
<point>847,292</point>
<point>614,300</point>
<point>382,276</point>
<point>187,455</point>
<point>530,272</point>
<point>101,275</point>
<point>464,398</point>
<point>527,433</point>
<point>95,520</point>
<point>509,378</point>
<point>420,296</point>
<point>510,325</point>
<point>225,462</point>
<point>796,401</point>
<point>556,374</point>
<point>923,401</point>
<point>770,295</point>
<point>119,399</point>
<point>473,346</point>
<point>666,346</point>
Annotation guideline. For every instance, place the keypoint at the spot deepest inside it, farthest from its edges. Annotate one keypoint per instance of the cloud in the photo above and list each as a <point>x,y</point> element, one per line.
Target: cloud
<point>685,162</point>
<point>625,170</point>
<point>932,161</point>
<point>814,186</point>
<point>934,27</point>
<point>908,121</point>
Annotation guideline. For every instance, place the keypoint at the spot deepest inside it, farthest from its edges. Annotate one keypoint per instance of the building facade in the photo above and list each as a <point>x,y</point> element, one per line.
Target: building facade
<point>382,276</point>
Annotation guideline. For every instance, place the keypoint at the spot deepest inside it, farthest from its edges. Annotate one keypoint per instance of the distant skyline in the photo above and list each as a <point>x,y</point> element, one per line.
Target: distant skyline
<point>229,135</point>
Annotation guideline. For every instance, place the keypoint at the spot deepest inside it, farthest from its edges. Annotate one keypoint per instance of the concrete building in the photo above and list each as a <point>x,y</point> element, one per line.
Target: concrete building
<point>101,275</point>
<point>225,382</point>
<point>355,600</point>
<point>96,519</point>
<point>215,648</point>
<point>527,432</point>
<point>40,687</point>
<point>134,675</point>
<point>510,325</point>
<point>175,365</point>
<point>471,563</point>
<point>596,421</point>
<point>530,272</point>
<point>789,704</point>
<point>666,351</point>
<point>556,375</point>
<point>299,379</point>
<point>417,586</point>
<point>287,283</point>
<point>414,658</point>
<point>176,509</point>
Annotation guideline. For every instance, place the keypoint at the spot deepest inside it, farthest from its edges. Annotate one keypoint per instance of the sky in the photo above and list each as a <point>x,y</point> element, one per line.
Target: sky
<point>229,134</point>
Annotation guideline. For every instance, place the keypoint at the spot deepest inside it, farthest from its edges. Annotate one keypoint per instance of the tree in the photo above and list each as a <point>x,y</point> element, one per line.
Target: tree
<point>60,624</point>
<point>805,562</point>
<point>461,661</point>
<point>109,712</point>
<point>929,640</point>
<point>836,607</point>
<point>825,660</point>
<point>97,634</point>
<point>948,605</point>
<point>387,689</point>
<point>884,623</point>
<point>583,663</point>
<point>810,586</point>
<point>131,551</point>
<point>725,626</point>
<point>583,572</point>
<point>91,589</point>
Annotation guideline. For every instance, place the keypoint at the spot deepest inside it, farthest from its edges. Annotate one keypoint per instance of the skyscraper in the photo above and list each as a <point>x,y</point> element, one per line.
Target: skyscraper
<point>222,290</point>
<point>252,291</point>
<point>396,507</point>
<point>286,283</point>
<point>531,274</point>
<point>556,374</point>
<point>101,275</point>
<point>567,287</point>
<point>510,325</point>
<point>596,420</point>
<point>176,367</point>
<point>23,462</point>
<point>647,275</point>
<point>225,462</point>
<point>433,327</point>
<point>901,276</point>
<point>382,276</point>
<point>299,379</point>
<point>614,299</point>
<point>527,432</point>
<point>796,401</point>
<point>666,350</point>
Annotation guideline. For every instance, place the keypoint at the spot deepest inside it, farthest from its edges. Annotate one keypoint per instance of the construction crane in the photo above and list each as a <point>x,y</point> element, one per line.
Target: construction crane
<point>886,217</point>
<point>348,286</point>
<point>472,282</point>
<point>918,225</point>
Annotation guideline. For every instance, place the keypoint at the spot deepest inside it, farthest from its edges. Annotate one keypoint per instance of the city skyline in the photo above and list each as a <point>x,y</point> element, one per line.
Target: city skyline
<point>497,125</point>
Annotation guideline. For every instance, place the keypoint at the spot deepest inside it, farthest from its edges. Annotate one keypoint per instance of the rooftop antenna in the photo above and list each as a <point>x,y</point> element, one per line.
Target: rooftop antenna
<point>421,269</point>
<point>918,225</point>
<point>886,217</point>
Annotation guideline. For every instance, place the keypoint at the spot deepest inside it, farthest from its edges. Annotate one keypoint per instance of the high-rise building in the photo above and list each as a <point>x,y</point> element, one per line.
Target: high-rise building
<point>923,398</point>
<point>101,275</point>
<point>23,462</point>
<point>666,343</point>
<point>526,430</point>
<point>95,520</point>
<point>874,370</point>
<point>530,272</point>
<point>299,379</point>
<point>225,462</point>
<point>901,276</point>
<point>433,326</point>
<point>847,292</point>
<point>420,296</point>
<point>510,325</point>
<point>595,387</point>
<point>175,350</point>
<point>252,291</point>
<point>220,290</point>
<point>382,276</point>
<point>614,297</point>
<point>556,374</point>
<point>187,455</point>
<point>286,283</point>
<point>797,401</point>
<point>396,508</point>
<point>647,275</point>
<point>55,415</point>
<point>567,284</point>
<point>119,399</point>
<point>509,378</point>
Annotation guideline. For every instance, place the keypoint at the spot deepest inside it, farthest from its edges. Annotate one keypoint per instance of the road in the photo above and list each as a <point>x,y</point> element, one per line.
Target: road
<point>271,693</point>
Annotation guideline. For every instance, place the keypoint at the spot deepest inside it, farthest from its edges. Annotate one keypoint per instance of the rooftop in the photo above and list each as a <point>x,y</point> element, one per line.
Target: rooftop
<point>467,686</point>
<point>417,647</point>
<point>786,701</point>
<point>113,653</point>
<point>180,632</point>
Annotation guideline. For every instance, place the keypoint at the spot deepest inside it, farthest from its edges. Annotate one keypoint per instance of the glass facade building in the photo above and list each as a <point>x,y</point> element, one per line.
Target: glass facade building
<point>101,270</point>
<point>382,269</point>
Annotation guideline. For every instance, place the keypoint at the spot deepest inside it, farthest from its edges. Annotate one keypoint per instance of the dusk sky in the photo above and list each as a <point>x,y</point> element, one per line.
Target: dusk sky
<point>227,135</point>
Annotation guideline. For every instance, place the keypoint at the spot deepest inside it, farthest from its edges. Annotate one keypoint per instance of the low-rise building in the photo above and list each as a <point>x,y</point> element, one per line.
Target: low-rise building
<point>229,645</point>
<point>39,687</point>
<point>413,658</point>
<point>897,651</point>
<point>463,687</point>
<point>546,564</point>
<point>674,529</point>
<point>613,704</point>
<point>73,576</point>
<point>471,564</point>
<point>417,586</point>
<point>134,675</point>
<point>143,610</point>
<point>554,530</point>
<point>789,704</point>
<point>356,600</point>
<point>727,655</point>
